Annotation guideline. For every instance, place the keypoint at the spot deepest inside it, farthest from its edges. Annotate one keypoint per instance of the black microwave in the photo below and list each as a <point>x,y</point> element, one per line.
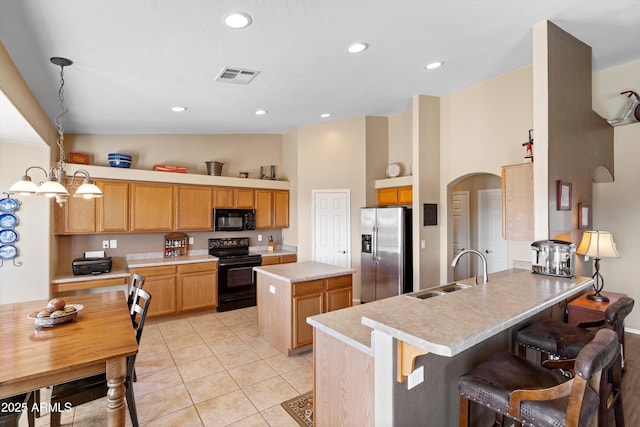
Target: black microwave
<point>234,219</point>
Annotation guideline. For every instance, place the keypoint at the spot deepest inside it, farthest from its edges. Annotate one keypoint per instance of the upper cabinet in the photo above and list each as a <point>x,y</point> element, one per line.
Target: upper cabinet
<point>517,202</point>
<point>395,195</point>
<point>106,214</point>
<point>232,197</point>
<point>272,208</point>
<point>113,207</point>
<point>194,206</point>
<point>151,206</point>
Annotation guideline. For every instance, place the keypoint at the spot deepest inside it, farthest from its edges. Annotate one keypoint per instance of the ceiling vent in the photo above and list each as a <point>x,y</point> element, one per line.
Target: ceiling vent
<point>238,76</point>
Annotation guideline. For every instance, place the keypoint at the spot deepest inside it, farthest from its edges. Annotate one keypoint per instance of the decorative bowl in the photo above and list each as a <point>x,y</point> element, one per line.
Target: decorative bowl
<point>119,156</point>
<point>52,321</point>
<point>119,163</point>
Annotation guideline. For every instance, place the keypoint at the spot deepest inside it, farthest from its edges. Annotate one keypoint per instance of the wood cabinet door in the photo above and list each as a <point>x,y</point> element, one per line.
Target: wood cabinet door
<point>303,307</point>
<point>194,208</point>
<point>387,196</point>
<point>163,292</point>
<point>113,207</point>
<point>196,290</point>
<point>244,198</point>
<point>281,209</point>
<point>223,197</point>
<point>76,216</point>
<point>151,206</point>
<point>264,208</point>
<point>338,298</point>
<point>517,202</point>
<point>405,195</point>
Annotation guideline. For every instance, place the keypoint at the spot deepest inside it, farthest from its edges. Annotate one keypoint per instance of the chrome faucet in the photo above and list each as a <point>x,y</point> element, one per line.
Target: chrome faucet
<point>484,263</point>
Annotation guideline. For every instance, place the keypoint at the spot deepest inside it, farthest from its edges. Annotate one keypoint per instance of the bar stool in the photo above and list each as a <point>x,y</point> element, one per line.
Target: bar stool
<point>563,341</point>
<point>535,396</point>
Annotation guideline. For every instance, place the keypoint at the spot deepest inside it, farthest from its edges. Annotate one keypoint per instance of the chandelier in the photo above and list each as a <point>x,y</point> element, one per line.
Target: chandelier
<point>53,185</point>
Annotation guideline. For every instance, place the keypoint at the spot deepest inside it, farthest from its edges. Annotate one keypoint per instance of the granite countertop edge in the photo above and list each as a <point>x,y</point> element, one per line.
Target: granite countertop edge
<point>303,271</point>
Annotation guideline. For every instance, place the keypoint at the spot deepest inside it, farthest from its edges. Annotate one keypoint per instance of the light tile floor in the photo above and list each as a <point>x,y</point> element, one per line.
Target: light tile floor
<point>206,369</point>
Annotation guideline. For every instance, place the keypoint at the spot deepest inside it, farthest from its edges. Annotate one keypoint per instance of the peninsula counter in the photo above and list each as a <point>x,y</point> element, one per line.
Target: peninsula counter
<point>444,336</point>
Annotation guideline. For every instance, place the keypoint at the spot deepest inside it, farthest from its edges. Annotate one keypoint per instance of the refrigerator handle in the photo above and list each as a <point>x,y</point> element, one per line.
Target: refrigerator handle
<point>374,244</point>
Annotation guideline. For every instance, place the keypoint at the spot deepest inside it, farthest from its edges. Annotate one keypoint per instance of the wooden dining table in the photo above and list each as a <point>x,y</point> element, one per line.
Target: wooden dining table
<point>98,340</point>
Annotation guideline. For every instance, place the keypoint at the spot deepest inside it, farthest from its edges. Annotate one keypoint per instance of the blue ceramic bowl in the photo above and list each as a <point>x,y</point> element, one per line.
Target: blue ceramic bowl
<point>119,156</point>
<point>120,163</point>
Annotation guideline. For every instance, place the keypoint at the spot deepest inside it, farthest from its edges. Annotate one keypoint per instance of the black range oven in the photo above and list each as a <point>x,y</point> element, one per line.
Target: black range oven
<point>236,278</point>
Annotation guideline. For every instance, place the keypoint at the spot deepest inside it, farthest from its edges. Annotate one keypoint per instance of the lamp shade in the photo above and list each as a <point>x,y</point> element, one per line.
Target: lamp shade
<point>24,186</point>
<point>88,190</point>
<point>51,187</point>
<point>597,244</point>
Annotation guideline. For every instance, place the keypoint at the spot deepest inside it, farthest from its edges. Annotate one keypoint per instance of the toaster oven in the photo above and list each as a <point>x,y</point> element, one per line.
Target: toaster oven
<point>554,258</point>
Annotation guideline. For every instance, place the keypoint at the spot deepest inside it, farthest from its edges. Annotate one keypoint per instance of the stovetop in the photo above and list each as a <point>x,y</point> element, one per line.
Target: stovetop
<point>229,247</point>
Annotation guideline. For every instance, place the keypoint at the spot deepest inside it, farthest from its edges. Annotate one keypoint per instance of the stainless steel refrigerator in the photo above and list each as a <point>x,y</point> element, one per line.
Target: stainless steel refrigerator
<point>386,257</point>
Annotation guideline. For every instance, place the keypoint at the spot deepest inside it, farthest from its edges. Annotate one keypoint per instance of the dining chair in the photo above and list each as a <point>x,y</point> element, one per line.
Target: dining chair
<point>137,281</point>
<point>10,413</point>
<point>535,396</point>
<point>87,389</point>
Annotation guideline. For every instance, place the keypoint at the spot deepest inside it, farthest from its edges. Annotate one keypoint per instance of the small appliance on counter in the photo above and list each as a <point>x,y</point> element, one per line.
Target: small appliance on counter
<point>93,265</point>
<point>554,258</point>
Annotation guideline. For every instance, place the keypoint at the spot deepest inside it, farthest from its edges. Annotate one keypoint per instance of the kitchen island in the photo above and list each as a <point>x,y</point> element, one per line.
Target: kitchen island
<point>289,293</point>
<point>444,336</point>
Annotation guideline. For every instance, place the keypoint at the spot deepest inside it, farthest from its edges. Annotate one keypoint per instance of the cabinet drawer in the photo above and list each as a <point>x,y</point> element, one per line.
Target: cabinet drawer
<point>155,271</point>
<point>284,259</point>
<point>197,267</point>
<point>339,282</point>
<point>306,287</point>
<point>270,260</point>
<point>87,284</point>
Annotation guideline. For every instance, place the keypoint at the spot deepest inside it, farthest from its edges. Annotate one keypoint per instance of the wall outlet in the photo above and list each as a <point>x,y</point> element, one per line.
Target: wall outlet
<point>113,243</point>
<point>105,244</point>
<point>422,244</point>
<point>191,240</point>
<point>259,237</point>
<point>272,289</point>
<point>416,377</point>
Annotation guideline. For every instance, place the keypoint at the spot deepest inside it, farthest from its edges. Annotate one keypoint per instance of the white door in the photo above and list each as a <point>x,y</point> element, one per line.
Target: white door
<point>331,227</point>
<point>461,234</point>
<point>490,241</point>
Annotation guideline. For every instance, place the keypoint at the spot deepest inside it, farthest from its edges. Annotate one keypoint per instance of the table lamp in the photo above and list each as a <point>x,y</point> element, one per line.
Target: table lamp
<point>598,245</point>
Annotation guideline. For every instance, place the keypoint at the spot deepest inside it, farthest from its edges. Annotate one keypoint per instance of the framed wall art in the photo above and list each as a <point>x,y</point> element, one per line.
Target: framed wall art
<point>563,196</point>
<point>584,216</point>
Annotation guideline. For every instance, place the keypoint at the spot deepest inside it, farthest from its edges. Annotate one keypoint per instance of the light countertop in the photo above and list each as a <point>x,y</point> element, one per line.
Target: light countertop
<point>303,271</point>
<point>451,323</point>
<point>276,252</point>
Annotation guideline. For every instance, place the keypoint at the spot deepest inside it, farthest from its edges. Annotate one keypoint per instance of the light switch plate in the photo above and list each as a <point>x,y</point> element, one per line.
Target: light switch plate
<point>272,289</point>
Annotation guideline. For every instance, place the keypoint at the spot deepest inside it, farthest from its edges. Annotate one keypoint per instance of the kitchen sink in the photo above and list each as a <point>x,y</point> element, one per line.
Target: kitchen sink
<point>440,290</point>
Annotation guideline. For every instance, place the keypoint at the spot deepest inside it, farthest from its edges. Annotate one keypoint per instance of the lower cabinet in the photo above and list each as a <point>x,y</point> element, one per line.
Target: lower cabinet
<point>283,308</point>
<point>175,288</point>
<point>197,285</point>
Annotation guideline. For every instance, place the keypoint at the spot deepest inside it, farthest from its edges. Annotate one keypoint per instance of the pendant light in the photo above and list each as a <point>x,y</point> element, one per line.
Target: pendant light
<point>53,186</point>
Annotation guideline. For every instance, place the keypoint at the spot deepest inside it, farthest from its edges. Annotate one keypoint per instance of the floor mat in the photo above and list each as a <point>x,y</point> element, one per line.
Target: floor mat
<point>301,408</point>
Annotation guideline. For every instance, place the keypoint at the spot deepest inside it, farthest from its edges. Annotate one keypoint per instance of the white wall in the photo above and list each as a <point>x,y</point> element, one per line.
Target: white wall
<point>30,281</point>
<point>331,156</point>
<point>400,139</point>
<point>615,208</point>
<point>482,129</point>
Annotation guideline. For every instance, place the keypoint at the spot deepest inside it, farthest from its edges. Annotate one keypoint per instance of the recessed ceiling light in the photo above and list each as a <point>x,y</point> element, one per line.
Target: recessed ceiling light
<point>434,65</point>
<point>357,47</point>
<point>237,20</point>
<point>261,112</point>
<point>325,115</point>
<point>178,109</point>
